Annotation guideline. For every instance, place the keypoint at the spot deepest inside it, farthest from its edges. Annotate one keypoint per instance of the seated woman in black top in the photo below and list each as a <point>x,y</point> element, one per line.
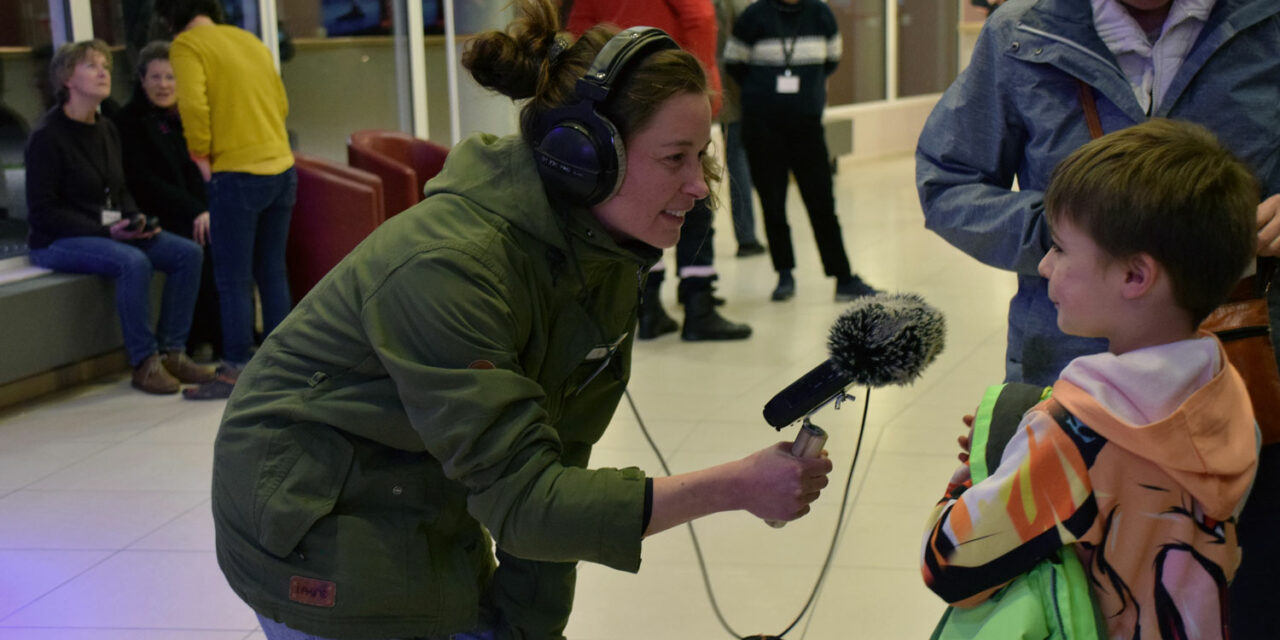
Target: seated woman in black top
<point>163,179</point>
<point>81,217</point>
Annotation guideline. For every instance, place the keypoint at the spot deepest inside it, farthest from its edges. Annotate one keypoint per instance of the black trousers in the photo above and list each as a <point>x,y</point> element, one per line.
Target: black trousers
<point>695,247</point>
<point>1255,599</point>
<point>206,321</point>
<point>777,147</point>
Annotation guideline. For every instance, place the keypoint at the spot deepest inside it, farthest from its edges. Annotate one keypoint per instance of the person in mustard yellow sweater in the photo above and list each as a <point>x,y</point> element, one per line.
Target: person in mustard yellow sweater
<point>233,108</point>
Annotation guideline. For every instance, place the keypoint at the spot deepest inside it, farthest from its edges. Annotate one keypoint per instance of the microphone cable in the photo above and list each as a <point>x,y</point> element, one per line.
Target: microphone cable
<point>831,550</point>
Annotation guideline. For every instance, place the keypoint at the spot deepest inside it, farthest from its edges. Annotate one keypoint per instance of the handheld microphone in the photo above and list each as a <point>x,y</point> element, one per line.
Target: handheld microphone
<point>880,340</point>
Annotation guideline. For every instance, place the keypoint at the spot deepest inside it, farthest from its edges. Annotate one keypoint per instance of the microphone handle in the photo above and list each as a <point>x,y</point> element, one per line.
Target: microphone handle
<point>809,443</point>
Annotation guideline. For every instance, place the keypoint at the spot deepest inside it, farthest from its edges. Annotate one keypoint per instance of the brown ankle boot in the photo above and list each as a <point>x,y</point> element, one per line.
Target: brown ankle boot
<point>150,376</point>
<point>187,372</point>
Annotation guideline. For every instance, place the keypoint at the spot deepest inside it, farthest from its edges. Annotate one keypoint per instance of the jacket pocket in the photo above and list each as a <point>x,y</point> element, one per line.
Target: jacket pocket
<point>304,471</point>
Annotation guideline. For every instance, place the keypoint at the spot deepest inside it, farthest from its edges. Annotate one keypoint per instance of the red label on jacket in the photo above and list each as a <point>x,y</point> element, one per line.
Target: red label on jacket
<point>317,593</point>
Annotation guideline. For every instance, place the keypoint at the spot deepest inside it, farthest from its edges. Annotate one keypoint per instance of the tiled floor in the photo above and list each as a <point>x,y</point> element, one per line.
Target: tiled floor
<point>105,532</point>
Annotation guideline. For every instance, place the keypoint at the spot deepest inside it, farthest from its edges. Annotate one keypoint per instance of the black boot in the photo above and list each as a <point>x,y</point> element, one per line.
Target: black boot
<point>654,320</point>
<point>683,293</point>
<point>786,288</point>
<point>701,320</point>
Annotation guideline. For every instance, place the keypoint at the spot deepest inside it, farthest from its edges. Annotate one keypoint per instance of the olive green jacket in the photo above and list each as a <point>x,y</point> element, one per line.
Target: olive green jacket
<point>443,384</point>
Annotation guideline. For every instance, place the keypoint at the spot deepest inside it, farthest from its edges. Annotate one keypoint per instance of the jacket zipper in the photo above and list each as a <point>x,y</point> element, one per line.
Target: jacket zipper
<point>1070,43</point>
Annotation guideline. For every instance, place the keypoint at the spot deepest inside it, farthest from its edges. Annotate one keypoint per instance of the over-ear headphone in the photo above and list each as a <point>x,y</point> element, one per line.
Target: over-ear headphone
<point>579,152</point>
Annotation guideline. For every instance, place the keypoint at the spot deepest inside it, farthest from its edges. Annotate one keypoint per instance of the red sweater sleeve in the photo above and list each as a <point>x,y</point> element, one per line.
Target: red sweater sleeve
<point>698,23</point>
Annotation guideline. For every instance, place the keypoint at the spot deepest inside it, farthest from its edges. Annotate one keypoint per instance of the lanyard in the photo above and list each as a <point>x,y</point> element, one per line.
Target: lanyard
<point>103,171</point>
<point>788,51</point>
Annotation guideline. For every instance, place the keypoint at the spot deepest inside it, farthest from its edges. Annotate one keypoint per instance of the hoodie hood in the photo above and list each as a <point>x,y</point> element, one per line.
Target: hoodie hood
<point>499,175</point>
<point>1177,406</point>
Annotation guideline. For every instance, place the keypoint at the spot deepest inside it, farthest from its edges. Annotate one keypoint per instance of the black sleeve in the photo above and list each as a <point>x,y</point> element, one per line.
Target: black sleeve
<point>155,191</point>
<point>48,212</point>
<point>648,505</point>
<point>832,30</point>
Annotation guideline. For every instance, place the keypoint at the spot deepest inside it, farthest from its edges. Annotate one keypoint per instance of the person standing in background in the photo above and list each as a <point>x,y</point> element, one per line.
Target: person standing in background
<point>781,53</point>
<point>233,107</point>
<point>741,200</point>
<point>692,24</point>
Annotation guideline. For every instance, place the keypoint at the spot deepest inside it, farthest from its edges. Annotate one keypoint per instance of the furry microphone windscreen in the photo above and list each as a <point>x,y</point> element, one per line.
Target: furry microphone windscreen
<point>886,339</point>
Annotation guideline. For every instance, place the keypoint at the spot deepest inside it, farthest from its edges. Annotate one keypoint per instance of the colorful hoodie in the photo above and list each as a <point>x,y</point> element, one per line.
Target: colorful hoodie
<point>1145,484</point>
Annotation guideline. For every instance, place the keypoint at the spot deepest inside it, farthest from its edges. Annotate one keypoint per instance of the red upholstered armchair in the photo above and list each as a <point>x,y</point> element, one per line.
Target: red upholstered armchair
<point>404,163</point>
<point>337,207</point>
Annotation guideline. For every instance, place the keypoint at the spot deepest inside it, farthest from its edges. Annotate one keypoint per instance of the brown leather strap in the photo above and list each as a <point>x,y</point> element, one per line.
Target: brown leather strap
<point>1250,287</point>
<point>1090,109</point>
<point>1244,290</point>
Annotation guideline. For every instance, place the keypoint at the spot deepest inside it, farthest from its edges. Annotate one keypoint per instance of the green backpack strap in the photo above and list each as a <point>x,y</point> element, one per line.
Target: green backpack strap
<point>995,422</point>
<point>1053,600</point>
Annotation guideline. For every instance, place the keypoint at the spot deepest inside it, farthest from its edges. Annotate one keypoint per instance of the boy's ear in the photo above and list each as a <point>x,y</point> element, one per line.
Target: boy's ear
<point>1140,274</point>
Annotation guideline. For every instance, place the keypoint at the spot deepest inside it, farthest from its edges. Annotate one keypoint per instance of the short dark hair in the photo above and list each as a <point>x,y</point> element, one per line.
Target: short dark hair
<point>1169,189</point>
<point>65,60</point>
<point>180,12</point>
<point>155,50</point>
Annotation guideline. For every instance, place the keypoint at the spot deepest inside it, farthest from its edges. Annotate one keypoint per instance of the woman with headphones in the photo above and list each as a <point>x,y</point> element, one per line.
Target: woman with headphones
<point>437,395</point>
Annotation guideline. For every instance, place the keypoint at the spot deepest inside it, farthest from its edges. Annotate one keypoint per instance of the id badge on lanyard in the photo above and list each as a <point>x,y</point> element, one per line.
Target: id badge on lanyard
<point>110,214</point>
<point>788,83</point>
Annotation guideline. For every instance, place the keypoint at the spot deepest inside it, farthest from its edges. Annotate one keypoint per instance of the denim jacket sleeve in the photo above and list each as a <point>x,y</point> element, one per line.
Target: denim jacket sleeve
<point>967,157</point>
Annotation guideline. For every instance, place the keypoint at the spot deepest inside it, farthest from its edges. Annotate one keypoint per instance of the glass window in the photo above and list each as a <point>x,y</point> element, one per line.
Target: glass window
<point>338,62</point>
<point>927,46</point>
<point>241,13</point>
<point>436,61</point>
<point>25,45</point>
<point>485,110</point>
<point>860,76</point>
<point>109,26</point>
<point>24,37</point>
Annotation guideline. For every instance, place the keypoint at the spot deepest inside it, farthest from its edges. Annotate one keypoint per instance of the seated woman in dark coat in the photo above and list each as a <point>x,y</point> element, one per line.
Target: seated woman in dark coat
<point>163,179</point>
<point>83,219</point>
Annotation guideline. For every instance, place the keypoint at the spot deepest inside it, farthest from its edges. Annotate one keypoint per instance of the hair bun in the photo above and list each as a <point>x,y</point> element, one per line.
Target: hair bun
<point>511,62</point>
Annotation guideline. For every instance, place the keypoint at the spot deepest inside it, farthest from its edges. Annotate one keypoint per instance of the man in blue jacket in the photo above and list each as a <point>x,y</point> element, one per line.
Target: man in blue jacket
<point>1019,108</point>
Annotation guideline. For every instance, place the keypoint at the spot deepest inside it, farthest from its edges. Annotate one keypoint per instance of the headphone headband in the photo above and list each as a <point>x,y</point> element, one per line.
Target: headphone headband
<point>616,56</point>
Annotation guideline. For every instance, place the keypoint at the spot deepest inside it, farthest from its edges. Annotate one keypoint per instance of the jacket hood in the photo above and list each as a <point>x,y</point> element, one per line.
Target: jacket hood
<point>1177,406</point>
<point>499,175</point>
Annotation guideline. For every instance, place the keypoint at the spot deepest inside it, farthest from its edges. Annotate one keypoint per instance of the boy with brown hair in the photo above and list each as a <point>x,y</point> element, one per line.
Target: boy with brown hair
<point>1142,458</point>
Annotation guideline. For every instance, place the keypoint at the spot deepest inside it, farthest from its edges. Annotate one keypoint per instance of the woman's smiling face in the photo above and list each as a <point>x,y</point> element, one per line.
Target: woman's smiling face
<point>663,176</point>
<point>159,85</point>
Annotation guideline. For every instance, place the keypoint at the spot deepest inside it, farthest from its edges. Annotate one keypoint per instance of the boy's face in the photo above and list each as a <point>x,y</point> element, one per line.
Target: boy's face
<point>1083,282</point>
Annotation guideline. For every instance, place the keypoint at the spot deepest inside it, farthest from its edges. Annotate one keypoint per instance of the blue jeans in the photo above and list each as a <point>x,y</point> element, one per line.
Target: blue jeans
<point>130,265</point>
<point>741,203</point>
<point>278,631</point>
<point>249,224</point>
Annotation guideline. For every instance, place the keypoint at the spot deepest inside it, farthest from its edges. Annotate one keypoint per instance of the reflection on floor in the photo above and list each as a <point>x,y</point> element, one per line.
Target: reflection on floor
<point>105,532</point>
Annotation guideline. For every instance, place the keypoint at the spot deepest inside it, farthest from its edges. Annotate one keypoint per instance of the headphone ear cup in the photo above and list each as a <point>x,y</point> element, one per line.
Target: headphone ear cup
<point>611,180</point>
<point>580,154</point>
